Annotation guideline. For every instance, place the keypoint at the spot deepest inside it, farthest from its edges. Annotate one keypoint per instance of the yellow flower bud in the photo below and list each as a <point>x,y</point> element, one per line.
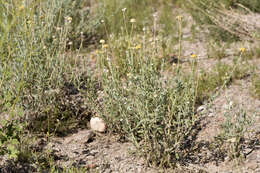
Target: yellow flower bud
<point>179,18</point>
<point>21,7</point>
<point>242,49</point>
<point>193,55</point>
<point>138,46</point>
<point>104,46</point>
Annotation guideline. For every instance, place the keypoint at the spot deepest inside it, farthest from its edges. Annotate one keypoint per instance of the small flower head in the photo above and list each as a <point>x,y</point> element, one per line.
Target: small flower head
<point>29,22</point>
<point>21,7</point>
<point>242,49</point>
<point>104,46</point>
<point>132,20</point>
<point>58,28</point>
<point>155,16</point>
<point>68,19</point>
<point>102,41</point>
<point>123,10</point>
<point>138,46</point>
<point>193,55</point>
<point>179,18</point>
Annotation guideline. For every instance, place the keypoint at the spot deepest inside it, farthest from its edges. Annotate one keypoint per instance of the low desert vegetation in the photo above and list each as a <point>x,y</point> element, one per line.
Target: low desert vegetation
<point>47,90</point>
<point>226,19</point>
<point>255,86</point>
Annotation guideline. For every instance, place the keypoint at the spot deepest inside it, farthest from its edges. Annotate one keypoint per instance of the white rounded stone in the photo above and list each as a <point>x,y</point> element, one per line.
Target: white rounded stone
<point>201,108</point>
<point>97,124</point>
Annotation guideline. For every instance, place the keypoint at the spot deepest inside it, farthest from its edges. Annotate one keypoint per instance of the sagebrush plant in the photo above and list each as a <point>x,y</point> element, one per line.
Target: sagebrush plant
<point>156,115</point>
<point>34,38</point>
<point>233,130</point>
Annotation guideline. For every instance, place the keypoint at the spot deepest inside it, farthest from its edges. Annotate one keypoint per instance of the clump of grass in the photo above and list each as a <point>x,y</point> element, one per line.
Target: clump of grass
<point>216,50</point>
<point>81,24</point>
<point>210,81</point>
<point>34,38</point>
<point>143,11</point>
<point>256,52</point>
<point>233,132</point>
<point>255,88</point>
<point>112,13</point>
<point>222,22</point>
<point>222,75</point>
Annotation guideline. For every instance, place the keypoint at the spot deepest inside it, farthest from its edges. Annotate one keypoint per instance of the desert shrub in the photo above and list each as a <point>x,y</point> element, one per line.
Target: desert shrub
<point>221,75</point>
<point>83,27</point>
<point>145,12</point>
<point>253,5</point>
<point>221,22</point>
<point>112,12</point>
<point>157,119</point>
<point>34,38</point>
<point>209,81</point>
<point>233,131</point>
<point>156,115</point>
<point>255,86</point>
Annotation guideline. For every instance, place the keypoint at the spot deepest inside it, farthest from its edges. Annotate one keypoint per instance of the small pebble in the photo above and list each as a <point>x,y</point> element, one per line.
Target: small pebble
<point>201,108</point>
<point>211,115</point>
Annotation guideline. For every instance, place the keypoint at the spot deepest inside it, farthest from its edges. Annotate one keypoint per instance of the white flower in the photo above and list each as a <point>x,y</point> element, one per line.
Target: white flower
<point>102,41</point>
<point>179,18</point>
<point>132,20</point>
